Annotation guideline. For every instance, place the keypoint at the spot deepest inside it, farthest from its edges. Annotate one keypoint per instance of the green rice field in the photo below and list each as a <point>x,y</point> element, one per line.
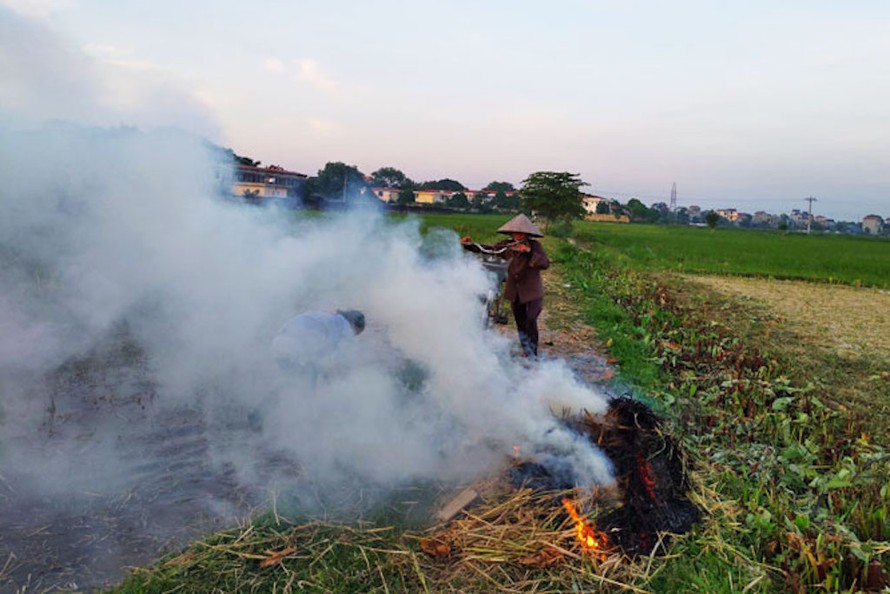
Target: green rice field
<point>844,259</point>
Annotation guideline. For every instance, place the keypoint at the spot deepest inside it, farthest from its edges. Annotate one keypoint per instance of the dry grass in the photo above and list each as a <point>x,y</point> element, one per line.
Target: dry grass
<point>838,335</point>
<point>846,320</point>
<point>519,541</point>
<point>508,540</point>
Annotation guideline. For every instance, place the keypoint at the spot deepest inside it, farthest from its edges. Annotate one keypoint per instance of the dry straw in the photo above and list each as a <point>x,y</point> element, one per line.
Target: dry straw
<point>508,541</point>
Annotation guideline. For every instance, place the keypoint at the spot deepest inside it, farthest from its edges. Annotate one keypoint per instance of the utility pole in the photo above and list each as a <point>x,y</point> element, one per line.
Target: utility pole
<point>674,200</point>
<point>810,199</point>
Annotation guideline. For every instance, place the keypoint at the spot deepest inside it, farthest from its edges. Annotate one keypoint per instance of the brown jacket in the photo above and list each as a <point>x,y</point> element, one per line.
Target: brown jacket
<point>523,271</point>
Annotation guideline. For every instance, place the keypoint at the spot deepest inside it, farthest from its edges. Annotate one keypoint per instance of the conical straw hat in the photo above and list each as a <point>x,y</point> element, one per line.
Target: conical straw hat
<point>520,224</point>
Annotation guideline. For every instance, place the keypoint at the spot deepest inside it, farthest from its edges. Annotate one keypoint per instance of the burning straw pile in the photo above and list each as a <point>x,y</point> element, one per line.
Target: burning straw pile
<point>536,521</point>
<point>526,529</point>
<point>650,474</point>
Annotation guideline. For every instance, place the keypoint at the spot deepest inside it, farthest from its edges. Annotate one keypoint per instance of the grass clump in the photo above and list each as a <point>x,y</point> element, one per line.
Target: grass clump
<point>263,557</point>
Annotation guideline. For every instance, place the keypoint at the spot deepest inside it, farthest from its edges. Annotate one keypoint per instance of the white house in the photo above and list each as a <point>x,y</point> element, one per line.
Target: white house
<point>872,224</point>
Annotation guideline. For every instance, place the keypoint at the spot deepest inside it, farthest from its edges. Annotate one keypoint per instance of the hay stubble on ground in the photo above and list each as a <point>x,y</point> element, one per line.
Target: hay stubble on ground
<point>838,337</point>
<point>839,318</point>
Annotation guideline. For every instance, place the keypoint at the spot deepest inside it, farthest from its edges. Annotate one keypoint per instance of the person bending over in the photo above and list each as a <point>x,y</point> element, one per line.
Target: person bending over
<point>309,343</point>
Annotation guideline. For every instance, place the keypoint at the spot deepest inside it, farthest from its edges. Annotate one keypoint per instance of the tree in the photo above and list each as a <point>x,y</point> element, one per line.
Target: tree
<point>227,153</point>
<point>554,196</point>
<point>661,212</point>
<point>506,202</point>
<point>405,197</point>
<point>682,215</point>
<point>446,184</point>
<point>245,161</point>
<point>497,186</point>
<point>640,212</point>
<point>603,207</point>
<point>481,203</point>
<point>712,218</point>
<point>390,177</point>
<point>338,180</point>
<point>458,200</point>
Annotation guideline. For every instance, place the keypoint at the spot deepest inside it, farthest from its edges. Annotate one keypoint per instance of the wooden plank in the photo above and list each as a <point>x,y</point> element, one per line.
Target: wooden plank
<point>456,505</point>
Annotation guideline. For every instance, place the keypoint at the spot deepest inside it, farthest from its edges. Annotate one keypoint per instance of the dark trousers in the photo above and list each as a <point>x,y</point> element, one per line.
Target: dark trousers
<point>526,316</point>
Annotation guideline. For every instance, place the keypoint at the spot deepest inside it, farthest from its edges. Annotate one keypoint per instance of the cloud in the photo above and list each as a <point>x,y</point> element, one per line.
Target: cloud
<point>311,74</point>
<point>37,9</point>
<point>324,127</point>
<point>274,65</point>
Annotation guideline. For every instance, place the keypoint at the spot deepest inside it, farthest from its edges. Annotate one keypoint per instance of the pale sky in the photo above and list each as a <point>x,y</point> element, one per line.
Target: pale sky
<point>753,105</point>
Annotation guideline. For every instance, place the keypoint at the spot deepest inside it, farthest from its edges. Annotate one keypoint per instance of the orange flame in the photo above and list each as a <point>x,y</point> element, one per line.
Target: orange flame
<point>590,539</point>
<point>647,477</point>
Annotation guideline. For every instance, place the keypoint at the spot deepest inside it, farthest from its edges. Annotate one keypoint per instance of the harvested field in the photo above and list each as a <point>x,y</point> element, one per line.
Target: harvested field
<point>842,319</point>
<point>838,336</point>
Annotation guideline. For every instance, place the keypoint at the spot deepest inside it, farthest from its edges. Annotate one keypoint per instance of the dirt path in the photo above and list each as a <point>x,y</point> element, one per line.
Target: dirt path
<point>564,336</point>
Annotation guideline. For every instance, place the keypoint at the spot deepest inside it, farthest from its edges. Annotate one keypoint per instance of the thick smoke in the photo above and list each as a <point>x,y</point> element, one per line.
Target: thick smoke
<point>111,229</point>
<point>137,310</point>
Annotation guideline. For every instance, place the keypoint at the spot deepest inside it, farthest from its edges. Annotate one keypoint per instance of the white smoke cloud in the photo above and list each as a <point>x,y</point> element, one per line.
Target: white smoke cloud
<point>136,303</point>
<point>119,225</point>
<point>124,225</point>
<point>46,76</point>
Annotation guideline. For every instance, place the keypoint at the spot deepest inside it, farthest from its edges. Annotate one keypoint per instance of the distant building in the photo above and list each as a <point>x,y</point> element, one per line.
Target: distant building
<point>872,225</point>
<point>730,214</point>
<point>764,219</point>
<point>431,196</point>
<point>799,218</point>
<point>436,197</point>
<point>591,203</point>
<point>271,182</point>
<point>387,194</point>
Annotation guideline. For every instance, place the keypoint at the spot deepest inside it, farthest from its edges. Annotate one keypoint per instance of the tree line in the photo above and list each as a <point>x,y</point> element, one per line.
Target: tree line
<point>553,197</point>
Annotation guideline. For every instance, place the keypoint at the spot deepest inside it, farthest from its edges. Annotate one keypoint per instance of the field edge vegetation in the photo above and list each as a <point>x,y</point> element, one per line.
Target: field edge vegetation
<point>804,486</point>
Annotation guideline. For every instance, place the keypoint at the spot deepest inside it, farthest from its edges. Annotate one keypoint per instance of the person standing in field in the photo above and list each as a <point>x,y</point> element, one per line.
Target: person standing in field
<point>524,288</point>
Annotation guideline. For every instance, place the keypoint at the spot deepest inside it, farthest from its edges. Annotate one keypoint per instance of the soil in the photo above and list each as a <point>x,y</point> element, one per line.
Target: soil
<point>165,492</point>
